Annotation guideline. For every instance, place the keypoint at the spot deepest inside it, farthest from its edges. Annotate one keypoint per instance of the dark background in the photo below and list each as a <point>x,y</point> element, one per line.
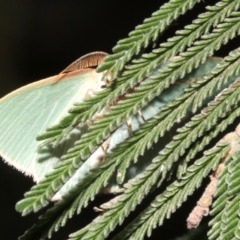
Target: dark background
<point>39,39</point>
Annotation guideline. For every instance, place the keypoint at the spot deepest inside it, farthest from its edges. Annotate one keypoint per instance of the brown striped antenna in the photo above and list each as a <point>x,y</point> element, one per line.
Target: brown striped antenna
<point>89,60</point>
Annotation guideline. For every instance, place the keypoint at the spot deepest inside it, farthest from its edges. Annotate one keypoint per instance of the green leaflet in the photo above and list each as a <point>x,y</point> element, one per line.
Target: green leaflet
<point>160,100</point>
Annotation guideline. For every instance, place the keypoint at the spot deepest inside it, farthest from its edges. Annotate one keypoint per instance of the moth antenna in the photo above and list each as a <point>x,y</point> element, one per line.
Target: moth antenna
<point>90,60</point>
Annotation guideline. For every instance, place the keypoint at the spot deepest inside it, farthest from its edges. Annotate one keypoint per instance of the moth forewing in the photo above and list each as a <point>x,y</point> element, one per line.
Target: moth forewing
<point>28,111</point>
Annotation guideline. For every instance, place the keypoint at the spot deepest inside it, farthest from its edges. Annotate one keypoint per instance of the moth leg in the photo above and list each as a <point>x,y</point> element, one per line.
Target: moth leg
<point>141,115</point>
<point>97,209</point>
<point>89,123</point>
<point>129,125</point>
<point>89,93</point>
<point>104,146</point>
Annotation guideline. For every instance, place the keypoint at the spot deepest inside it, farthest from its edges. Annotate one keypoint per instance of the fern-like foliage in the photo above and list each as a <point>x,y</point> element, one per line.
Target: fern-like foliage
<point>198,97</point>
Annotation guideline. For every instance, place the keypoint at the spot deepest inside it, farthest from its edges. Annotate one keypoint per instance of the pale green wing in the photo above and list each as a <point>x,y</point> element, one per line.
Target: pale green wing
<point>29,110</point>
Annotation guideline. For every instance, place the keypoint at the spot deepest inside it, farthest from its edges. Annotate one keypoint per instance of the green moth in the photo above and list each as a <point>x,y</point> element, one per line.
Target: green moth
<point>28,111</point>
